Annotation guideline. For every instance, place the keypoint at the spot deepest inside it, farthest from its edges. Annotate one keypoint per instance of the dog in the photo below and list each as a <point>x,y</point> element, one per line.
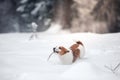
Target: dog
<point>70,55</point>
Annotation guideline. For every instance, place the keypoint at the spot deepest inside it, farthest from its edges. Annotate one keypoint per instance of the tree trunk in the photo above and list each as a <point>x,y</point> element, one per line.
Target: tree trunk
<point>62,13</point>
<point>108,10</point>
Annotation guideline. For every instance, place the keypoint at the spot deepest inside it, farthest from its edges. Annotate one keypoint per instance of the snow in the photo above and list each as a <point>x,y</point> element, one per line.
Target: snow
<point>24,59</point>
<point>21,8</point>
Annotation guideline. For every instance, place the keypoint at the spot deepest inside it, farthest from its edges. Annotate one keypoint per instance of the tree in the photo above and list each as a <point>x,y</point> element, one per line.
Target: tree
<point>62,13</point>
<point>109,11</point>
<point>78,15</point>
<point>8,20</point>
<point>39,11</point>
<point>99,16</point>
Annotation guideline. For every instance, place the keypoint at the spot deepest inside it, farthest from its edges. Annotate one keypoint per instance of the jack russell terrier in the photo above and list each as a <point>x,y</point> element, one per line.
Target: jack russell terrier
<point>68,56</point>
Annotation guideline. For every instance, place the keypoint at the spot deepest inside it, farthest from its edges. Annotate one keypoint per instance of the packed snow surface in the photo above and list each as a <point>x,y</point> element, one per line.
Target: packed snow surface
<point>24,59</point>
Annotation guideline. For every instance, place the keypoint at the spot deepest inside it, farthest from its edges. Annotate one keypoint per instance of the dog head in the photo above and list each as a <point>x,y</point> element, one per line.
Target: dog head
<point>60,50</point>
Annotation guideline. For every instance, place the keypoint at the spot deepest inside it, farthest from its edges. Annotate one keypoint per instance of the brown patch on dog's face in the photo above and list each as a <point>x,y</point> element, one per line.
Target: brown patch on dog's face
<point>63,50</point>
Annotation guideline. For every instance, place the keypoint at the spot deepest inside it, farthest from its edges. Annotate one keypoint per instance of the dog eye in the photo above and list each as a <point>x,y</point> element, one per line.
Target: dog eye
<point>59,47</point>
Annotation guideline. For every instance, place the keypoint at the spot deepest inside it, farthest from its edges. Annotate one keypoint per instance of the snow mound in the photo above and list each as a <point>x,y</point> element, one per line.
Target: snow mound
<point>24,59</point>
<point>87,71</point>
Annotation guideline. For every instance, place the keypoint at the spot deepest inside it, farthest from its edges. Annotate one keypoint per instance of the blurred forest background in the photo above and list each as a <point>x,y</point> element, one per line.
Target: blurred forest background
<point>99,16</point>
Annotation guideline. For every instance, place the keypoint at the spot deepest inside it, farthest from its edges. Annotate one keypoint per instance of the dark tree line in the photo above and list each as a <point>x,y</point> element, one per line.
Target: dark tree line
<point>16,16</point>
<point>75,15</point>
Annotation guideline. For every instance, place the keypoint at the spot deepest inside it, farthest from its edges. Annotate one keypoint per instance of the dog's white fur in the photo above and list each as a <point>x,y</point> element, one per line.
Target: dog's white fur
<point>68,57</point>
<point>82,51</point>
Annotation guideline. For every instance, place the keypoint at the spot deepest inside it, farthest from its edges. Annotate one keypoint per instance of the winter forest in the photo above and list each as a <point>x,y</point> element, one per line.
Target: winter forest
<point>59,39</point>
<point>99,16</point>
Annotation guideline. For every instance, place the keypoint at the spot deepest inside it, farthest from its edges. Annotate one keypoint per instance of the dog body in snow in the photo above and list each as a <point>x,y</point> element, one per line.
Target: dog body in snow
<point>77,50</point>
<point>70,55</point>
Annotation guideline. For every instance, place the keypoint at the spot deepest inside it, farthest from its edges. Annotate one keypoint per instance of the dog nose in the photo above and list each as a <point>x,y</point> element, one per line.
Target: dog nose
<point>54,49</point>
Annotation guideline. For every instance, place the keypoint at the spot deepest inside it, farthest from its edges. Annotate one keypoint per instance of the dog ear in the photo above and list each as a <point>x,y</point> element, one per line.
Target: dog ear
<point>79,42</point>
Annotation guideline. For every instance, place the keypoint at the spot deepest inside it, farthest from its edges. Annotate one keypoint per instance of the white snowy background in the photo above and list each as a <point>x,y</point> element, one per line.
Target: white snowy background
<point>24,59</point>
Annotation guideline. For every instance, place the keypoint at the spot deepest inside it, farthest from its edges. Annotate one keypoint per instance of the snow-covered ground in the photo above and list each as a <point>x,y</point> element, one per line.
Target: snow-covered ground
<point>24,59</point>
